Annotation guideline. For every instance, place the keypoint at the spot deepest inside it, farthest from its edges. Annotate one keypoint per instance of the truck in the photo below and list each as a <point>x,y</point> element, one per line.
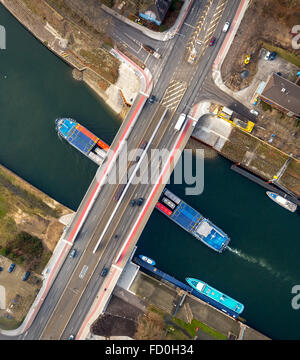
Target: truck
<point>180,122</point>
<point>150,50</point>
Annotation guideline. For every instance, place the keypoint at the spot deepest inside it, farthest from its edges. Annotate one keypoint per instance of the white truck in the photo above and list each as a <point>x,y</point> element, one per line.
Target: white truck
<point>180,122</point>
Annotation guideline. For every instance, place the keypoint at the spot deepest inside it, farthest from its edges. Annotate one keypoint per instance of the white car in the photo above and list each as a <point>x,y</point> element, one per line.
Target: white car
<point>267,56</point>
<point>254,112</point>
<point>226,26</point>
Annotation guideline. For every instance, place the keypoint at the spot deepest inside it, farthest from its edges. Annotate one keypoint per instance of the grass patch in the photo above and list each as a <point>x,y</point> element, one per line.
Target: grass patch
<point>285,54</point>
<point>9,324</point>
<point>27,250</point>
<point>191,328</point>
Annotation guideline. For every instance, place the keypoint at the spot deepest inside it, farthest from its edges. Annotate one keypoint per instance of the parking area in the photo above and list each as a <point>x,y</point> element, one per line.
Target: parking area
<point>264,69</point>
<point>16,296</point>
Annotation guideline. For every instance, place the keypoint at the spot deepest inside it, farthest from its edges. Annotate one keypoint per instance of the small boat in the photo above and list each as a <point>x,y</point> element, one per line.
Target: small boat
<point>147,260</point>
<point>287,204</point>
<point>224,300</point>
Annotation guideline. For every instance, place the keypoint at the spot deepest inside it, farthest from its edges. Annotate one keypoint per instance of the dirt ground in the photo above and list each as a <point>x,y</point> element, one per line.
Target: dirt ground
<point>264,20</point>
<point>119,319</point>
<point>24,208</point>
<point>18,294</point>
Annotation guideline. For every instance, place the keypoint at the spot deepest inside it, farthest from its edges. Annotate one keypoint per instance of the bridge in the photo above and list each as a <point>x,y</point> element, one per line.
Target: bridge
<point>106,230</point>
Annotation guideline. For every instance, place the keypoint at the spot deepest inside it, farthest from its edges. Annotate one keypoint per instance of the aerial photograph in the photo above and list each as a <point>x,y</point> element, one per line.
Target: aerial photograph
<point>150,173</point>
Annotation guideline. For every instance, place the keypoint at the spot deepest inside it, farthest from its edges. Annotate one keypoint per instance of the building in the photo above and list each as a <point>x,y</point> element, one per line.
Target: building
<point>156,12</point>
<point>282,94</point>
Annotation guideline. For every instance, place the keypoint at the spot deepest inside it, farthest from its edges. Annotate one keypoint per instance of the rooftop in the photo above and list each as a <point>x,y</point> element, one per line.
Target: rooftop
<point>283,92</point>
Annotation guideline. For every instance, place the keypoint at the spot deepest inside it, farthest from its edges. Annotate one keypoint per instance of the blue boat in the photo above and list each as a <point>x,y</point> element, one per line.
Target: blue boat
<point>147,260</point>
<point>216,295</point>
<point>192,221</point>
<point>82,139</point>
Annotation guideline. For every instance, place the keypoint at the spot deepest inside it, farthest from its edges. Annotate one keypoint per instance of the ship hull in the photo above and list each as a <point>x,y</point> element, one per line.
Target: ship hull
<point>82,139</point>
<point>192,221</point>
<point>286,204</point>
<point>217,296</point>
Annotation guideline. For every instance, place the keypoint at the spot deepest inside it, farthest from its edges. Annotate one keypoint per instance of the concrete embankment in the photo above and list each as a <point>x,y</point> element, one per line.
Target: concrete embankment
<point>76,47</point>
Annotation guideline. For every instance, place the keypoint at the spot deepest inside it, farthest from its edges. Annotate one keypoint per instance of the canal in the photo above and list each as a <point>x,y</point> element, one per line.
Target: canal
<point>262,264</point>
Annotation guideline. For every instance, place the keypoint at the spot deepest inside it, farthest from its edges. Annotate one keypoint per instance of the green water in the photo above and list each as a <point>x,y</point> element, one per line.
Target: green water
<point>263,264</point>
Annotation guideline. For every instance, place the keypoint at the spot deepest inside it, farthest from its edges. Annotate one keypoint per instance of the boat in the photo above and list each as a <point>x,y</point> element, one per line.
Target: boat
<point>223,300</point>
<point>82,139</point>
<point>280,200</point>
<point>147,260</point>
<point>192,221</point>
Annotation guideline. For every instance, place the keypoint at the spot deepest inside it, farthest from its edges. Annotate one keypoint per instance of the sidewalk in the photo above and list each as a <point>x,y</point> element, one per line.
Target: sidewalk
<point>166,35</point>
<point>216,68</point>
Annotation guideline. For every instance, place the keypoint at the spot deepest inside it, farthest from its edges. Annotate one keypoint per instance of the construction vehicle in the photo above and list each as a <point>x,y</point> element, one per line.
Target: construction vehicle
<point>152,51</point>
<point>247,59</point>
<point>192,56</point>
<point>227,114</point>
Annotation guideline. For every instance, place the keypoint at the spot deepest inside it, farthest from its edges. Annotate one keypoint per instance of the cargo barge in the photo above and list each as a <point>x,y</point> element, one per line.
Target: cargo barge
<point>82,139</point>
<point>192,221</point>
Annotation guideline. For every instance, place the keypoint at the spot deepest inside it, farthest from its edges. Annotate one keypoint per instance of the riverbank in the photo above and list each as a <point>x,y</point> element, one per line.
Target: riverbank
<point>30,228</point>
<point>25,209</point>
<point>81,46</point>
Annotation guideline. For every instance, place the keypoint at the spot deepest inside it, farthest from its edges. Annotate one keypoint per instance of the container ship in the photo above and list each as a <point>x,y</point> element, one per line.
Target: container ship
<point>192,221</point>
<point>282,201</point>
<point>82,139</point>
<point>225,302</point>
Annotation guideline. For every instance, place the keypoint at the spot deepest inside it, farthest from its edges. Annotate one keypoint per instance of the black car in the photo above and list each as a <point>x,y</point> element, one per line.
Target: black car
<point>1,268</point>
<point>26,276</point>
<point>132,202</point>
<point>273,55</point>
<point>104,272</point>
<point>140,201</point>
<point>152,99</point>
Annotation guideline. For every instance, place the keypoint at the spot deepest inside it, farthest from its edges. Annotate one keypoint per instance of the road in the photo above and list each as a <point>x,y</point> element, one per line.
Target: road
<point>70,297</point>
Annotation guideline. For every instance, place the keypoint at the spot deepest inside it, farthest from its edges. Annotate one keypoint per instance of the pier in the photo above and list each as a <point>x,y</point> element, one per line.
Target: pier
<point>267,185</point>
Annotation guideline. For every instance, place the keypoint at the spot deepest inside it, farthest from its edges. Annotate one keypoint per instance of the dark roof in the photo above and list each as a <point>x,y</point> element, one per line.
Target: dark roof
<point>159,8</point>
<point>283,93</point>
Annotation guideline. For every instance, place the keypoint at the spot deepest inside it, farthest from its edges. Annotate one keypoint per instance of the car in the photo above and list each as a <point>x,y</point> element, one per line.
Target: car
<point>226,26</point>
<point>73,253</point>
<point>267,56</point>
<point>254,112</point>
<point>143,145</point>
<point>132,202</point>
<point>212,41</point>
<point>11,268</point>
<point>247,59</point>
<point>152,99</point>
<point>26,276</point>
<point>71,337</point>
<point>140,201</point>
<point>273,55</point>
<point>104,272</point>
<point>1,268</point>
